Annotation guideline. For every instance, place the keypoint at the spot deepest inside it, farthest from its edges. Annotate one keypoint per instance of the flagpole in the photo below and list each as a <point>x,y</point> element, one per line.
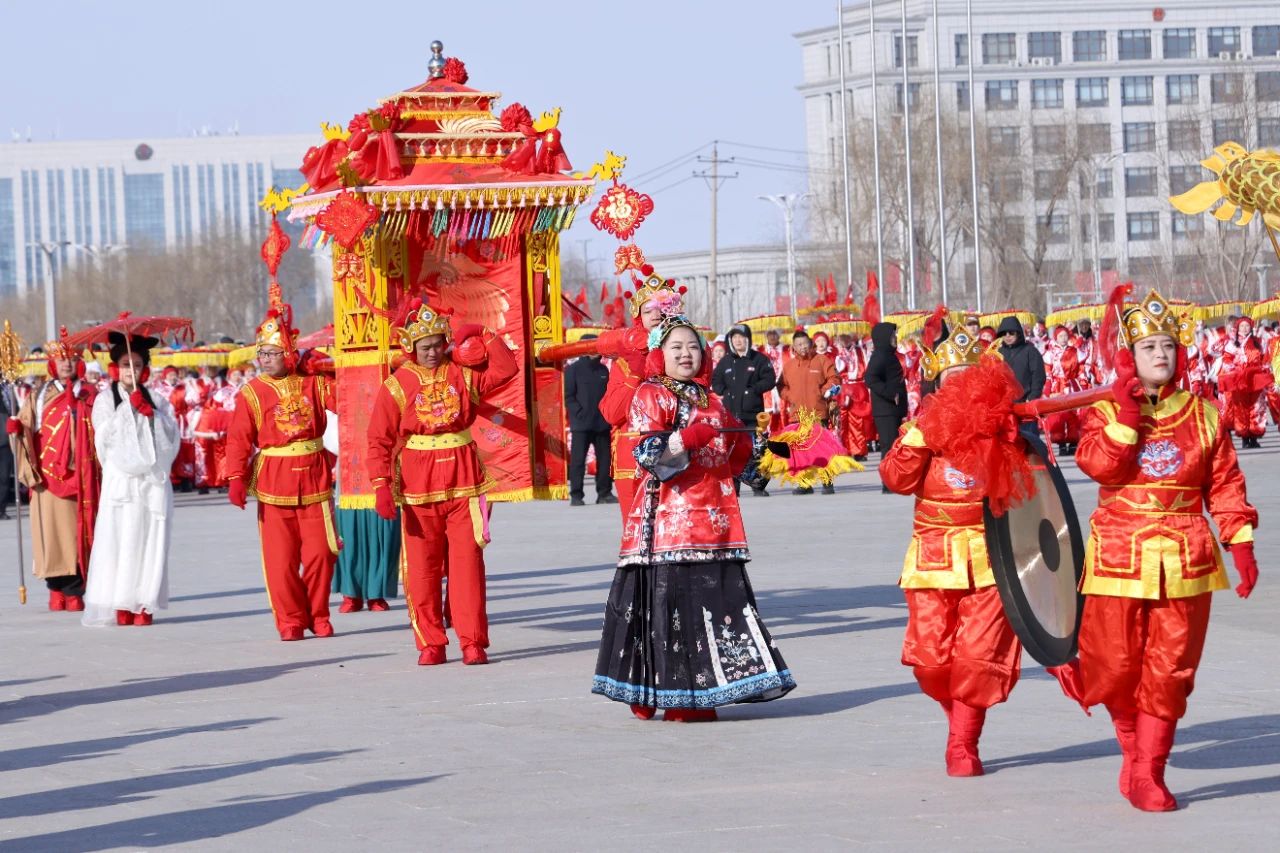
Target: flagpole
<point>937,134</point>
<point>973,158</point>
<point>906,145</point>
<point>844,147</point>
<point>875,145</point>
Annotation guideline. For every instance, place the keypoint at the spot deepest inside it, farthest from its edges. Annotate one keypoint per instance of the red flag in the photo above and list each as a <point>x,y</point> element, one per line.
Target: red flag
<point>893,280</point>
<point>871,305</point>
<point>831,289</point>
<point>848,295</point>
<point>819,290</point>
<point>604,293</point>
<point>620,308</point>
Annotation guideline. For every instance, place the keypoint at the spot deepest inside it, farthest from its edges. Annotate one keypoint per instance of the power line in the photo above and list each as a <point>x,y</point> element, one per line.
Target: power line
<point>766,147</point>
<point>669,186</point>
<point>685,156</point>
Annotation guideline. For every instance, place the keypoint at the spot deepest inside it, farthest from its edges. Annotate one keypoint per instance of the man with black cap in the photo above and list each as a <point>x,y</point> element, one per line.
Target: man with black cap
<point>741,380</point>
<point>1023,358</point>
<point>585,381</point>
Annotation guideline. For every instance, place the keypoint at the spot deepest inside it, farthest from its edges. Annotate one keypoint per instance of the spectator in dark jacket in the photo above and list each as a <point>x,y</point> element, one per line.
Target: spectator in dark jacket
<point>886,385</point>
<point>584,384</point>
<point>741,380</point>
<point>1023,358</point>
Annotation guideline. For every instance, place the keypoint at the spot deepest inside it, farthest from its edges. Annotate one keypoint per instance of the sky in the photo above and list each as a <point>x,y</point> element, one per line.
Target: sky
<point>657,81</point>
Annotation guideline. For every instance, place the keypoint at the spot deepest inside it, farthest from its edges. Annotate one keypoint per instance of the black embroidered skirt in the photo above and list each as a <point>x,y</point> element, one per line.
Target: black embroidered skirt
<point>687,635</point>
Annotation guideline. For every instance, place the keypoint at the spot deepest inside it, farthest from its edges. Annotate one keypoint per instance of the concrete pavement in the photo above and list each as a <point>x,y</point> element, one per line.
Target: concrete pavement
<point>205,732</point>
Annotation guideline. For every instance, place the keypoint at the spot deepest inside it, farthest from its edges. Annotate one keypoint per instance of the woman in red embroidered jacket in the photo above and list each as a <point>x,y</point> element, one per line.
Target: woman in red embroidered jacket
<point>681,630</point>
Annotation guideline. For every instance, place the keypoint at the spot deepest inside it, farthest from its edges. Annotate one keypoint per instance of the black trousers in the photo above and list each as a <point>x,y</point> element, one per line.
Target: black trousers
<point>887,431</point>
<point>582,439</point>
<point>67,584</point>
<point>6,476</point>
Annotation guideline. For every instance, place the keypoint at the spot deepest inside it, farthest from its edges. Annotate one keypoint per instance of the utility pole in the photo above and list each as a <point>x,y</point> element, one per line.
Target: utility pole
<point>713,181</point>
<point>906,146</point>
<point>844,156</point>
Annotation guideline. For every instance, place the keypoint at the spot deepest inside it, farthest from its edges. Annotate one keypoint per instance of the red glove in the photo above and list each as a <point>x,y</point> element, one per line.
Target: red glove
<point>12,426</point>
<point>698,435</point>
<point>1127,390</point>
<point>1246,567</point>
<point>384,504</point>
<point>466,331</point>
<point>140,403</point>
<point>236,492</point>
<point>470,352</point>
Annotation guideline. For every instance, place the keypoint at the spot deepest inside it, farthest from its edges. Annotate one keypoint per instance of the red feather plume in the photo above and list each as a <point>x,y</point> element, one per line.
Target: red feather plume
<point>969,421</point>
<point>933,327</point>
<point>1109,336</point>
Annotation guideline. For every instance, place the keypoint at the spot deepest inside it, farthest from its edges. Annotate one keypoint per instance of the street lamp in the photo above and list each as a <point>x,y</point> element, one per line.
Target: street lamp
<point>786,203</point>
<point>50,294</point>
<point>1261,270</point>
<point>94,250</point>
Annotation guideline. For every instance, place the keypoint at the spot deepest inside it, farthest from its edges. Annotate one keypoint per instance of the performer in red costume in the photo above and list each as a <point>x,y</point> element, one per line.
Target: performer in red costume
<point>421,455</point>
<point>282,413</point>
<point>1162,457</point>
<point>1244,377</point>
<point>778,354</point>
<point>961,647</point>
<point>1064,376</point>
<point>57,462</point>
<point>681,630</point>
<point>651,299</point>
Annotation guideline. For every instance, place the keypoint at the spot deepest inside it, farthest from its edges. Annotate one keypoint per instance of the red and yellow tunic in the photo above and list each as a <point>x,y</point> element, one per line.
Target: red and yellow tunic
<point>1149,537</point>
<point>948,549</point>
<point>426,415</point>
<point>285,420</point>
<point>58,437</point>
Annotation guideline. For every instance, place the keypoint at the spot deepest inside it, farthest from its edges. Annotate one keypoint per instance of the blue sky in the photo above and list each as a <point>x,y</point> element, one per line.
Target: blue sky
<point>653,80</point>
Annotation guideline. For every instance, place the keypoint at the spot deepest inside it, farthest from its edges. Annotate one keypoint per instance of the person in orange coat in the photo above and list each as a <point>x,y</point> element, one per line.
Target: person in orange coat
<point>653,296</point>
<point>421,454</point>
<point>1162,457</point>
<point>959,643</point>
<point>283,414</point>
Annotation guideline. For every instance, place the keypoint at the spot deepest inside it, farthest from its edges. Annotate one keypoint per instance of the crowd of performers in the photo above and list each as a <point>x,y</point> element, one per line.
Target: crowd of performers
<point>682,632</point>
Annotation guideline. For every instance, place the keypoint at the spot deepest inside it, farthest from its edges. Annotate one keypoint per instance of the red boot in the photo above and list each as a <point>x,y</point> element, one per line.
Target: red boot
<point>75,602</point>
<point>474,655</point>
<point>291,634</point>
<point>322,628</point>
<point>432,656</point>
<point>962,739</point>
<point>57,601</point>
<point>351,605</point>
<point>377,605</point>
<point>643,712</point>
<point>1153,741</point>
<point>124,617</point>
<point>1124,723</point>
<point>142,617</point>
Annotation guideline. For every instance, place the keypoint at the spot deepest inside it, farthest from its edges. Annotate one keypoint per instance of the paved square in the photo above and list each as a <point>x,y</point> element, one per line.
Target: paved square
<point>206,732</point>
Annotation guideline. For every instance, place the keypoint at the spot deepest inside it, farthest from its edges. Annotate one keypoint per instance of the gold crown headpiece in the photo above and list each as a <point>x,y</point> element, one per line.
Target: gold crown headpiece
<point>276,329</point>
<point>1155,316</point>
<point>961,348</point>
<point>421,322</point>
<point>654,285</point>
<point>60,348</point>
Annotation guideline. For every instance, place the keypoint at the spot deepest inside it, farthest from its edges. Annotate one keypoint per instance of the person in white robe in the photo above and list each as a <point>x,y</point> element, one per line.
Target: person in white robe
<point>137,438</point>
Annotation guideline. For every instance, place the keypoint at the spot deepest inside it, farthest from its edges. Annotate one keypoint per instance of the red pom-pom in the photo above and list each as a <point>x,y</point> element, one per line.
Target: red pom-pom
<point>969,421</point>
<point>515,117</point>
<point>682,290</point>
<point>646,269</point>
<point>628,295</point>
<point>455,70</point>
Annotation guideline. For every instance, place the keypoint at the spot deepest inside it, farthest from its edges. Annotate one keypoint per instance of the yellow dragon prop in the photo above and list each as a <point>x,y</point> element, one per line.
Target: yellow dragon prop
<point>1248,183</point>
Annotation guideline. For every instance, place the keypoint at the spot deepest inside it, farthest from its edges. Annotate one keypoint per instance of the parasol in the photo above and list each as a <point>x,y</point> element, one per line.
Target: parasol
<point>128,325</point>
<point>320,338</point>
